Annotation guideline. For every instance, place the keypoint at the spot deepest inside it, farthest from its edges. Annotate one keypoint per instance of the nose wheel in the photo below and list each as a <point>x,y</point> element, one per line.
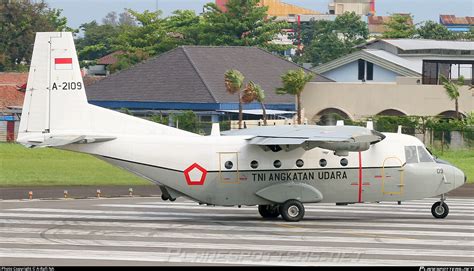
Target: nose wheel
<point>440,209</point>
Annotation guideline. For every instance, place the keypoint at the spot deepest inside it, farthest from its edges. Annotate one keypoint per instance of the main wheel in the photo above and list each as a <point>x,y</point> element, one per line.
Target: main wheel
<point>440,209</point>
<point>292,210</point>
<point>268,211</point>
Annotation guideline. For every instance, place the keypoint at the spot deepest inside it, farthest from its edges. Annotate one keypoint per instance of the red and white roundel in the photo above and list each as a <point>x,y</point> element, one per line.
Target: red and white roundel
<point>195,174</point>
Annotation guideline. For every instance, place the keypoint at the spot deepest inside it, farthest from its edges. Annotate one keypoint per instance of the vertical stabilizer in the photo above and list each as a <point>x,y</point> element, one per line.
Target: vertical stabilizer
<point>55,98</point>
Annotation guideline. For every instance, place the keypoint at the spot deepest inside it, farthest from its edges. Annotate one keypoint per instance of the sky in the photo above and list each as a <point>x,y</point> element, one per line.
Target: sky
<point>82,11</point>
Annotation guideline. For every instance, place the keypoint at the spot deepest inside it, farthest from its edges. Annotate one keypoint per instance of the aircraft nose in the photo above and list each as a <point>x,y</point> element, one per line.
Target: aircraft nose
<point>460,177</point>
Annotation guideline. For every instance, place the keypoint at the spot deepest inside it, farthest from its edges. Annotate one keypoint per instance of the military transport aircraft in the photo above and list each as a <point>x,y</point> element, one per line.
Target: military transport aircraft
<point>278,168</point>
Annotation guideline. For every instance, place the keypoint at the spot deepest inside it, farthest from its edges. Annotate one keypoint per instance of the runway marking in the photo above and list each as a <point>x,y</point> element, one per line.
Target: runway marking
<point>177,256</point>
<point>434,222</point>
<point>381,234</point>
<point>234,246</point>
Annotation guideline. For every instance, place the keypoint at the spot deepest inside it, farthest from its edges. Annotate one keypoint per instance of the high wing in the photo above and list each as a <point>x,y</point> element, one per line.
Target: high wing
<point>56,140</point>
<point>340,139</point>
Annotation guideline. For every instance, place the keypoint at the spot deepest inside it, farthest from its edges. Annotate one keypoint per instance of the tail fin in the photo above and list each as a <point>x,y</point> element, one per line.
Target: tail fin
<point>56,103</point>
<point>54,79</point>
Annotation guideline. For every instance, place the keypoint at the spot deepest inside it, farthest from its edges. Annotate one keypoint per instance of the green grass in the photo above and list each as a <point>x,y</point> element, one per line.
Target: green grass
<point>463,159</point>
<point>20,166</point>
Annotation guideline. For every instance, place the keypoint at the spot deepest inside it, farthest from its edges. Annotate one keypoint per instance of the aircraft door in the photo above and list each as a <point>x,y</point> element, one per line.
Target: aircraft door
<point>229,167</point>
<point>392,176</point>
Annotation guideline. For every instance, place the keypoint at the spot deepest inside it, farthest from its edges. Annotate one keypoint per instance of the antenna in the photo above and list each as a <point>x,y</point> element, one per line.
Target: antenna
<point>340,123</point>
<point>370,125</point>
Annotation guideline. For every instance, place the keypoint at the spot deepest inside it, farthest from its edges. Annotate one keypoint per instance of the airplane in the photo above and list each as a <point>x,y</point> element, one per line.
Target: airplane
<point>278,168</point>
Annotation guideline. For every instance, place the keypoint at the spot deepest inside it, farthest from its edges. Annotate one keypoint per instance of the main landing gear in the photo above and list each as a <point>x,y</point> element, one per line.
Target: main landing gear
<point>440,209</point>
<point>291,210</point>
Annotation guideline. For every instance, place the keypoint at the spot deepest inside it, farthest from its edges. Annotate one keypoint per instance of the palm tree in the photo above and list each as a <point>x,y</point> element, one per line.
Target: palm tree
<point>254,92</point>
<point>452,89</point>
<point>233,83</point>
<point>294,82</point>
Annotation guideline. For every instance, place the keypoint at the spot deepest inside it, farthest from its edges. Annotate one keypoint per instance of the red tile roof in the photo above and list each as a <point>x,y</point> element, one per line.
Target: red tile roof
<point>110,58</point>
<point>9,93</point>
<point>377,23</point>
<point>453,20</point>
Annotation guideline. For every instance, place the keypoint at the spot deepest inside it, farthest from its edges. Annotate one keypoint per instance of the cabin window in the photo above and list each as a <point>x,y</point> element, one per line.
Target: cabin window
<point>323,162</point>
<point>277,163</point>
<point>424,155</point>
<point>254,164</point>
<point>299,163</point>
<point>228,164</point>
<point>410,154</point>
<point>344,162</point>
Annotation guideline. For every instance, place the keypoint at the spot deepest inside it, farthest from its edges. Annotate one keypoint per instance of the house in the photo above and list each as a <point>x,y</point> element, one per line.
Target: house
<point>392,77</point>
<point>389,60</point>
<point>192,78</point>
<point>100,69</point>
<point>377,24</point>
<point>360,7</point>
<point>12,86</point>
<point>457,24</point>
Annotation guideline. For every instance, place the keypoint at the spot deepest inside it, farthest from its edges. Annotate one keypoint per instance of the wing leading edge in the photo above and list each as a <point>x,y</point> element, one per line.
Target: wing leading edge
<point>340,139</point>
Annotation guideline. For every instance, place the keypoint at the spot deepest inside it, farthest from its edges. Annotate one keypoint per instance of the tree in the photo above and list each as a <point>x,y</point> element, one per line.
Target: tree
<point>452,90</point>
<point>186,25</point>
<point>244,23</point>
<point>19,22</point>
<point>435,31</point>
<point>234,80</point>
<point>399,27</point>
<point>97,40</point>
<point>328,40</point>
<point>254,92</point>
<point>294,82</point>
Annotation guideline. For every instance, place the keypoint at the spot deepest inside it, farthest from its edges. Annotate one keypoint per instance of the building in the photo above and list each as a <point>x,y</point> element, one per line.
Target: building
<point>192,78</point>
<point>100,69</point>
<point>12,86</point>
<point>360,7</point>
<point>393,77</point>
<point>457,24</point>
<point>275,8</point>
<point>390,60</point>
<point>377,24</point>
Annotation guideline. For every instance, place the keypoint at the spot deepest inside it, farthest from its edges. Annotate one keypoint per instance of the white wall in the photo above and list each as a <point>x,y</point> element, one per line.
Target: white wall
<point>350,71</point>
<point>361,100</point>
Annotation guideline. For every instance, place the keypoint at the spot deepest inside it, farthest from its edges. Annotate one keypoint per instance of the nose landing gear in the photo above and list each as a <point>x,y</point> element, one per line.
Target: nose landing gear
<point>440,209</point>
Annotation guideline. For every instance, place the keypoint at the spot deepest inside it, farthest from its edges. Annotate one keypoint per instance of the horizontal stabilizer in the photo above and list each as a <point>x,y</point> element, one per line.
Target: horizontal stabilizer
<point>49,140</point>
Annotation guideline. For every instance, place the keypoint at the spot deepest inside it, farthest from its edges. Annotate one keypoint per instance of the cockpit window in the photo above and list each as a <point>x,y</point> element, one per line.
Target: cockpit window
<point>411,155</point>
<point>424,155</point>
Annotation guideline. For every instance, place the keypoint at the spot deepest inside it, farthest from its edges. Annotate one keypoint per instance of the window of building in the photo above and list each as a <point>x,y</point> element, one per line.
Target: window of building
<point>370,71</point>
<point>361,73</point>
<point>410,154</point>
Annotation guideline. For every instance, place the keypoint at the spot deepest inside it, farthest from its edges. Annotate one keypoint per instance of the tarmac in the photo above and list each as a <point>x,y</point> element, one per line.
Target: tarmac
<point>81,192</point>
<point>136,231</point>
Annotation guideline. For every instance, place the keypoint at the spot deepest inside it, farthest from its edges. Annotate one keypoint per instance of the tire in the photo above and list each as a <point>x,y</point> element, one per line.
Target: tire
<point>163,197</point>
<point>292,210</point>
<point>440,210</point>
<point>268,211</point>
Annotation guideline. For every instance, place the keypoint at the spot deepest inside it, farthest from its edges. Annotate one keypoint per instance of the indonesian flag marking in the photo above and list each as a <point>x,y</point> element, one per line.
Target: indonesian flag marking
<point>63,63</point>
